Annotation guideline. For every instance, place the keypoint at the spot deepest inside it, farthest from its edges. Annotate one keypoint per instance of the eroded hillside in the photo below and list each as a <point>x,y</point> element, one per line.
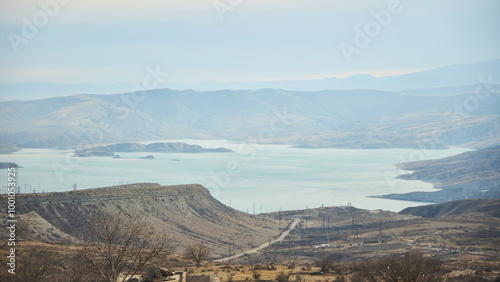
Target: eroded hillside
<point>188,212</point>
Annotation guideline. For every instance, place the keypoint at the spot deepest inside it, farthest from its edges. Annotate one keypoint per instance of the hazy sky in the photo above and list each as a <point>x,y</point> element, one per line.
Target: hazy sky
<point>99,41</point>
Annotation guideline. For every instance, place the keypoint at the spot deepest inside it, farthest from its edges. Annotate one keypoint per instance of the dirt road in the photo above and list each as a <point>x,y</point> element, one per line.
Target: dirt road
<point>265,245</point>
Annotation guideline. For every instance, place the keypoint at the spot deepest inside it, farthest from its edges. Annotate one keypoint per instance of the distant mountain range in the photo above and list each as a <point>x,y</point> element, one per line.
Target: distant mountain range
<point>447,106</point>
<point>342,118</point>
<point>444,77</point>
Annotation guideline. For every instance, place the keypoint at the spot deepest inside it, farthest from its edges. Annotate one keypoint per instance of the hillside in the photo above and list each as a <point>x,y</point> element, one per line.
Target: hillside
<point>341,118</point>
<point>8,148</point>
<point>347,234</point>
<point>188,212</point>
<point>461,207</point>
<point>166,147</point>
<point>470,175</point>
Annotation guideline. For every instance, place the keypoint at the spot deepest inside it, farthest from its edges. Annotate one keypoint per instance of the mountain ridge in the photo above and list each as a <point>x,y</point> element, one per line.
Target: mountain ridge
<point>451,75</point>
<point>321,119</point>
<point>188,212</point>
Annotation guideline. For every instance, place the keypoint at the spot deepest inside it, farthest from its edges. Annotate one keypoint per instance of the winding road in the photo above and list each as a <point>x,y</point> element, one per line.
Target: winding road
<point>265,245</point>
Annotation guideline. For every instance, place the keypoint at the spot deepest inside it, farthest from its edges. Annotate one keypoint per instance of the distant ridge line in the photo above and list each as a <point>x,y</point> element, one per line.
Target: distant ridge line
<point>151,190</point>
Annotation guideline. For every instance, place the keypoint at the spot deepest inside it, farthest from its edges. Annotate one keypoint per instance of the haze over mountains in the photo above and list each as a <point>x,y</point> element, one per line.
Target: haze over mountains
<point>453,106</point>
<point>440,81</point>
<point>342,118</point>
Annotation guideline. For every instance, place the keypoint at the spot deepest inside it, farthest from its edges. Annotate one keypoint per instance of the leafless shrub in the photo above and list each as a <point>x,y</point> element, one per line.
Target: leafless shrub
<point>283,276</point>
<point>31,265</point>
<point>299,278</point>
<point>411,266</point>
<point>230,277</point>
<point>256,275</point>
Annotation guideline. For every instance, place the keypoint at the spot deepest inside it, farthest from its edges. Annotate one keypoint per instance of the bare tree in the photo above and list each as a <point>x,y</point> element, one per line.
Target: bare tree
<point>197,253</point>
<point>24,222</point>
<point>120,243</point>
<point>411,266</point>
<point>325,261</point>
<point>32,265</point>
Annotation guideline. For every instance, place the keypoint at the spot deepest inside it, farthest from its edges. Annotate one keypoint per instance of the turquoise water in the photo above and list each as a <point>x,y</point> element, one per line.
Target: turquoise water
<point>271,176</point>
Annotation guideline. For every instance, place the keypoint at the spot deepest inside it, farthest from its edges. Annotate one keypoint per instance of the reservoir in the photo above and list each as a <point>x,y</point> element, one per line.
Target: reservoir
<point>256,177</point>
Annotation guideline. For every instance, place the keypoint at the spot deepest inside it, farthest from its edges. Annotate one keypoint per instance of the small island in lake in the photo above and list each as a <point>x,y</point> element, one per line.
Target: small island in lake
<point>160,147</point>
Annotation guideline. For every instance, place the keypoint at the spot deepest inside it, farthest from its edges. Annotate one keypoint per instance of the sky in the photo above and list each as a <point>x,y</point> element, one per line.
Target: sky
<point>103,41</point>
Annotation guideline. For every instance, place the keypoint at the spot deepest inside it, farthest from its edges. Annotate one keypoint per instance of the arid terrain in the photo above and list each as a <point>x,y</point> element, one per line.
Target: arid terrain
<point>462,235</point>
<point>187,212</point>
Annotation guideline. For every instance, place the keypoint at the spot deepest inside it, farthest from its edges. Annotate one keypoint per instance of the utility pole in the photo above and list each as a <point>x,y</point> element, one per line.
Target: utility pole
<point>253,208</point>
<point>279,217</point>
<point>352,226</point>
<point>230,255</point>
<point>234,248</point>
